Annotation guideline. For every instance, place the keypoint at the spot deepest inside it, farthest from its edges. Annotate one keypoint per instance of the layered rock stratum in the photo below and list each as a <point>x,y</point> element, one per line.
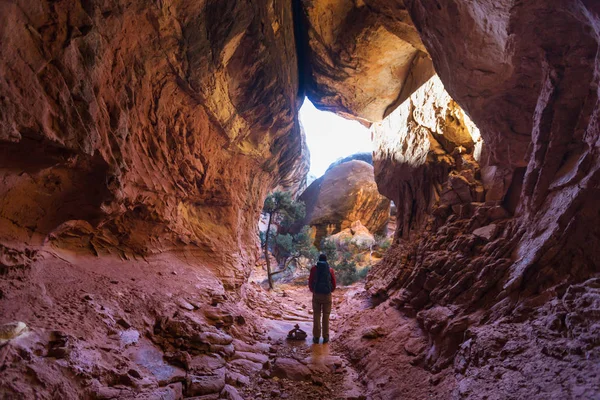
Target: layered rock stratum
<point>491,249</point>
<point>137,143</point>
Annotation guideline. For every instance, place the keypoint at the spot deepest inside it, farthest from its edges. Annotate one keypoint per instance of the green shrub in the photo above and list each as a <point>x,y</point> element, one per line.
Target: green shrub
<point>383,242</point>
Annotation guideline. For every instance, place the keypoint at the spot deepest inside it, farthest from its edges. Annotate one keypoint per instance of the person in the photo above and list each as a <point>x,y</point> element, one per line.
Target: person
<point>321,283</point>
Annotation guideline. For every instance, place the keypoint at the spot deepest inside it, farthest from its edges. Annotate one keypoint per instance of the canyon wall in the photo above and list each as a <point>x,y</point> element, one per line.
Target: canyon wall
<point>539,128</point>
<point>496,254</point>
<point>142,127</point>
<point>427,154</point>
<point>138,140</point>
<point>346,193</point>
<point>540,63</point>
<point>363,58</point>
<point>137,143</point>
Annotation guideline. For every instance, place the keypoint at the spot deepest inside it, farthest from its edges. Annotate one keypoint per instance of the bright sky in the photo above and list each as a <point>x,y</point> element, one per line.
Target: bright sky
<point>330,137</point>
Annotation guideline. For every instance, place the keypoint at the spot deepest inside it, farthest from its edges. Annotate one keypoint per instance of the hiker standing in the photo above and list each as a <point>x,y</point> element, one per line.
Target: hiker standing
<point>321,283</point>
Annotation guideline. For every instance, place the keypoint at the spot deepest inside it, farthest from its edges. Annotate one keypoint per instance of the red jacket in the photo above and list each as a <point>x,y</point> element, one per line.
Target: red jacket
<point>311,278</point>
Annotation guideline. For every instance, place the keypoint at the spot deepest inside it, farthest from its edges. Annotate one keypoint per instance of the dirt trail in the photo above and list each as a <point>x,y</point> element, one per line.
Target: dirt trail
<point>160,328</point>
<point>301,370</point>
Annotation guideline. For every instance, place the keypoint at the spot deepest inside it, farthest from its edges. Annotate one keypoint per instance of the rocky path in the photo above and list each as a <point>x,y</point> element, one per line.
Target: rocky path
<point>300,369</point>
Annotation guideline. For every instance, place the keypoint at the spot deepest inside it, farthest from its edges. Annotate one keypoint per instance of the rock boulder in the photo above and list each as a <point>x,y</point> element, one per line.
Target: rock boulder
<point>345,194</point>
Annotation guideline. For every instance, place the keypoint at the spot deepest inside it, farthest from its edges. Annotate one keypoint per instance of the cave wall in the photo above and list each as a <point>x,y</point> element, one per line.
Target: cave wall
<point>141,127</point>
<point>532,89</point>
<point>426,155</point>
<point>506,278</point>
<point>362,58</point>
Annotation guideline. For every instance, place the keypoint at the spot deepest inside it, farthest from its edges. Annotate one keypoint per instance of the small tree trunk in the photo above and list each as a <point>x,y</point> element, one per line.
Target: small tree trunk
<point>267,234</point>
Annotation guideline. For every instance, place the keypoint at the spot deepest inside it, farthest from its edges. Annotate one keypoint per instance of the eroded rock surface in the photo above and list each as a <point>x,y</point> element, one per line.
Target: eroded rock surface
<point>426,155</point>
<point>363,58</point>
<point>497,246</point>
<point>147,122</point>
<point>138,140</point>
<point>345,194</point>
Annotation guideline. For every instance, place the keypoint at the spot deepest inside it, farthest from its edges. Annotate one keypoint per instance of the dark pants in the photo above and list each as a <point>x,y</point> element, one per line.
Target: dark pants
<point>321,306</point>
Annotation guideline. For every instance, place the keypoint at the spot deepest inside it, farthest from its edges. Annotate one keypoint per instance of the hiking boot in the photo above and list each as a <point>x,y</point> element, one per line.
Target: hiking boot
<point>316,340</point>
<point>325,340</point>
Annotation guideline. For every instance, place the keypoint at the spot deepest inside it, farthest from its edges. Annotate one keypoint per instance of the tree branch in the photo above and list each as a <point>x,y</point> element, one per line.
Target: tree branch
<point>278,272</point>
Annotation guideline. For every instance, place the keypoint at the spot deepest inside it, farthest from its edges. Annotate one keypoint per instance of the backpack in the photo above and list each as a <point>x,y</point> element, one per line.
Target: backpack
<point>322,282</point>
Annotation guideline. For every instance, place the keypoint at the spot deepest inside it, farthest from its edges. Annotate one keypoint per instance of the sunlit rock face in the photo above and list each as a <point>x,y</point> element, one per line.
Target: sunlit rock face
<point>144,126</point>
<point>363,58</point>
<point>512,275</point>
<point>426,156</point>
<point>345,194</point>
<point>532,89</point>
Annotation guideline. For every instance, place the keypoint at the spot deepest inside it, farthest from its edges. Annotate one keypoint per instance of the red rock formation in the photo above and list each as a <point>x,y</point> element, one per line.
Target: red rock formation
<point>426,155</point>
<point>345,194</point>
<point>147,121</point>
<point>363,58</point>
<point>540,62</point>
<point>548,101</point>
<point>138,139</point>
<point>137,142</point>
<point>502,291</point>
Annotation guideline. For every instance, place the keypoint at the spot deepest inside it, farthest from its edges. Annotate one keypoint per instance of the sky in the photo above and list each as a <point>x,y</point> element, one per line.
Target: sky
<point>330,137</point>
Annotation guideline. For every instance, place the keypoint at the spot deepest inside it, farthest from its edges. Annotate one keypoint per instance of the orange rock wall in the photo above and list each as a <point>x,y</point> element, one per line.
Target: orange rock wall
<point>148,126</point>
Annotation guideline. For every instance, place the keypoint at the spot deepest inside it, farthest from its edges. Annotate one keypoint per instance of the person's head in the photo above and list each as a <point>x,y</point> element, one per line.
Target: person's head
<point>322,257</point>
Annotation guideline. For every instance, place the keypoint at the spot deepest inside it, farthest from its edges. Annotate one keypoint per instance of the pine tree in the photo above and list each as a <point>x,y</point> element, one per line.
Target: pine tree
<point>280,209</point>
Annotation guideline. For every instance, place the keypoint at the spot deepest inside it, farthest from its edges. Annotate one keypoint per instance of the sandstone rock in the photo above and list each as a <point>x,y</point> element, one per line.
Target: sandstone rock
<point>418,159</point>
<point>254,357</point>
<point>218,338</point>
<point>357,235</point>
<point>206,363</point>
<point>366,157</point>
<point>226,351</point>
<point>246,367</point>
<point>212,396</point>
<point>220,317</point>
<point>129,337</point>
<point>185,305</point>
<point>205,384</point>
<point>415,346</point>
<point>372,332</point>
<point>486,232</point>
<point>496,181</point>
<point>230,393</point>
<point>147,152</point>
<point>180,358</point>
<point>173,391</point>
<point>345,194</point>
<point>257,347</point>
<point>150,358</point>
<point>364,58</point>
<point>291,369</point>
<point>136,129</point>
<point>525,114</point>
<point>236,379</point>
<point>435,319</point>
<point>123,323</point>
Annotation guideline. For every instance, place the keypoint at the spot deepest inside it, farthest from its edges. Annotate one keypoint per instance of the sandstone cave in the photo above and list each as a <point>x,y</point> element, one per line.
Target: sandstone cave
<point>139,140</point>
